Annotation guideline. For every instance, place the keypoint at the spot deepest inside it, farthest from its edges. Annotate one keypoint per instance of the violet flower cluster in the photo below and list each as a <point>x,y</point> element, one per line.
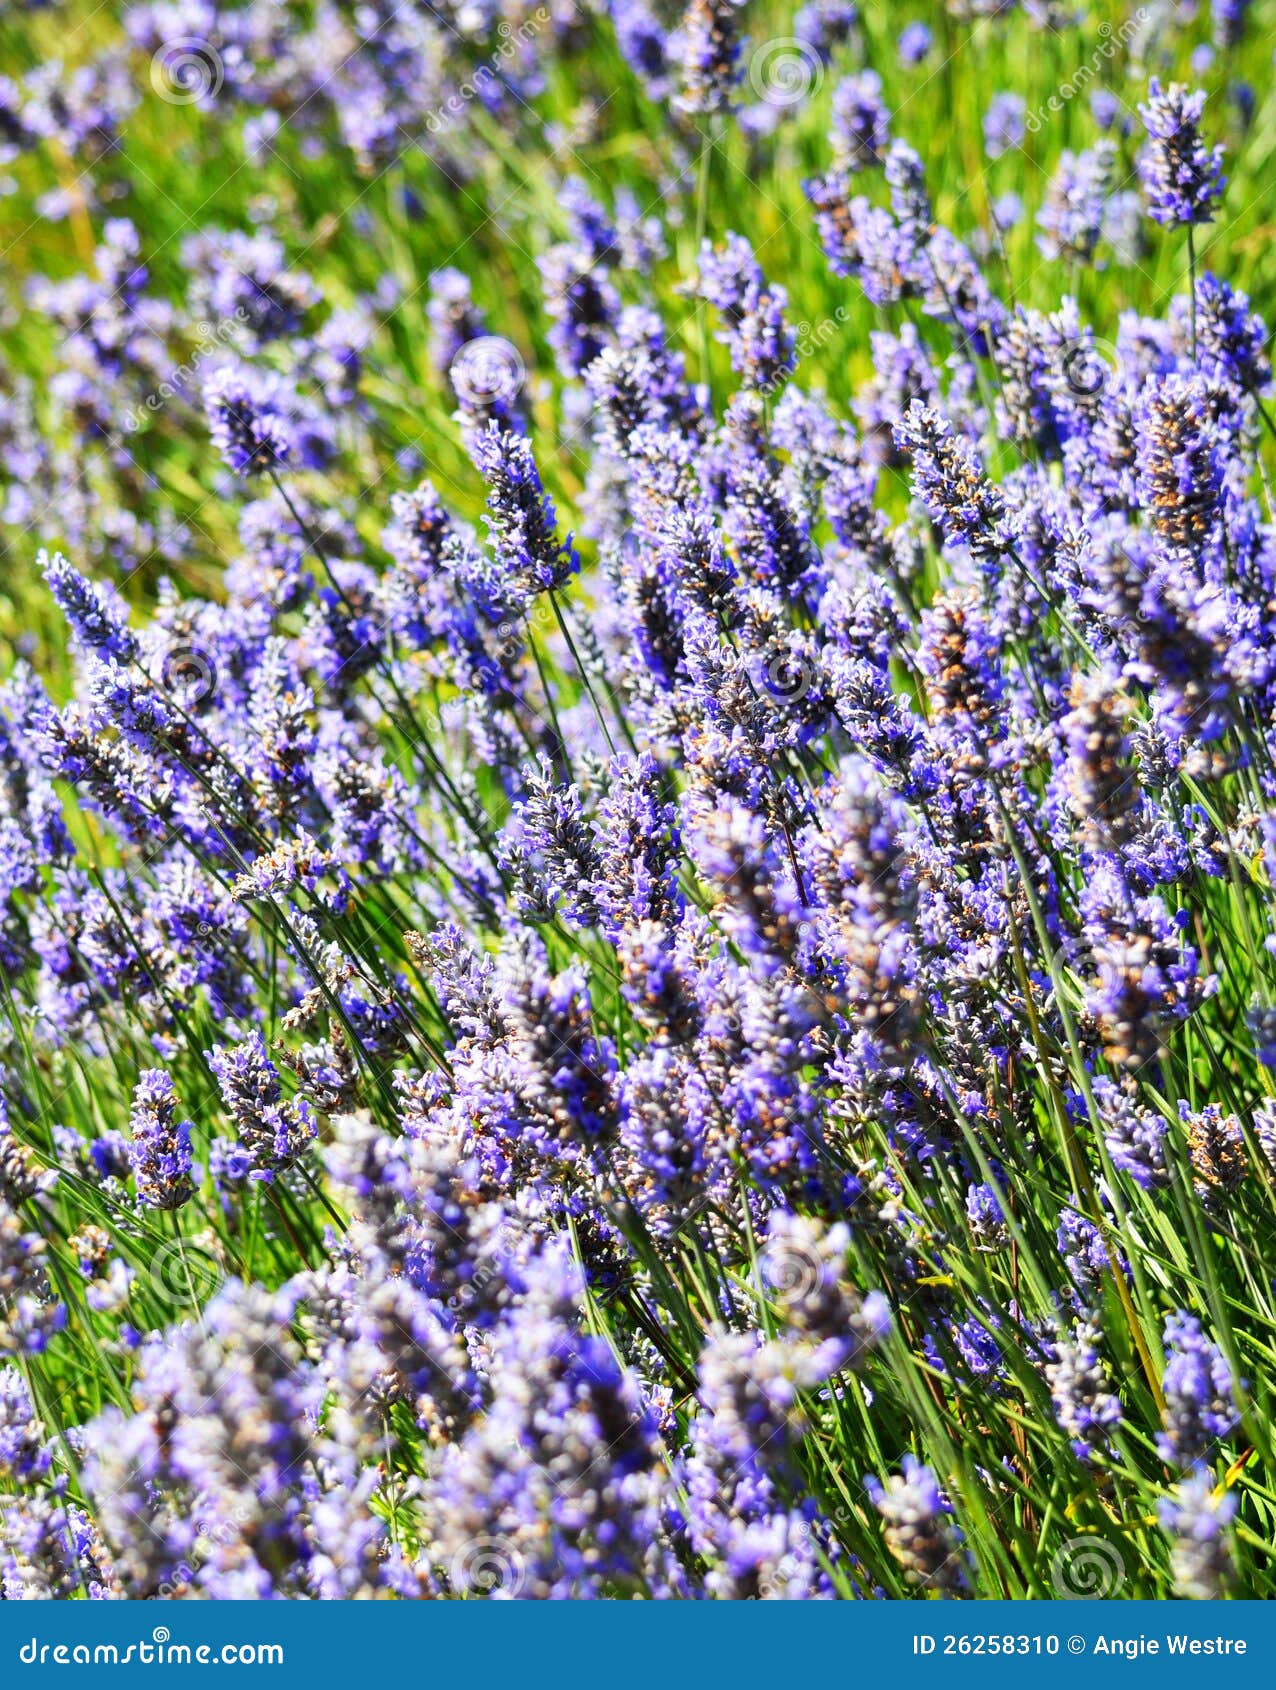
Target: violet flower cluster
<point>673,996</point>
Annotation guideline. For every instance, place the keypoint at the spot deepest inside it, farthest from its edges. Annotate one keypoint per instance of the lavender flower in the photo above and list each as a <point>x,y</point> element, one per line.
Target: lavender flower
<point>710,52</point>
<point>753,314</point>
<point>1216,1148</point>
<point>567,1069</point>
<point>644,44</point>
<point>910,202</point>
<point>453,316</point>
<point>25,1456</point>
<point>919,1529</point>
<point>1003,124</point>
<point>521,516</point>
<point>248,421</point>
<point>1071,218</point>
<point>1182,458</point>
<point>1229,18</point>
<point>807,1266</point>
<point>986,1218</point>
<point>1103,788</point>
<point>1083,1249</point>
<point>97,615</point>
<point>1196,1518</point>
<point>825,24</point>
<point>272,1130</point>
<point>1182,178</point>
<point>915,42</point>
<point>1135,1137</point>
<point>742,1001</point>
<point>1231,341</point>
<point>861,123</point>
<point>1145,976</point>
<point>1077,1379</point>
<point>1199,1405</point>
<point>161,1148</point>
<point>582,304</point>
<point>951,482</point>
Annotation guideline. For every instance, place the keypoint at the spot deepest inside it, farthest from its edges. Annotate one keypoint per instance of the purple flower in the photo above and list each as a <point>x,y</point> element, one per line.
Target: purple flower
<point>986,1218</point>
<point>1199,1406</point>
<point>25,1455</point>
<point>1135,1136</point>
<point>581,303</point>
<point>1003,124</point>
<point>709,54</point>
<point>97,615</point>
<point>453,317</point>
<point>861,122</point>
<point>1108,111</point>
<point>1216,1148</point>
<point>1182,456</point>
<point>520,515</point>
<point>1196,1516</point>
<point>272,1130</point>
<point>915,42</point>
<point>1084,1407</point>
<point>248,419</point>
<point>910,202</point>
<point>1182,178</point>
<point>1229,18</point>
<point>806,1264</point>
<point>161,1148</point>
<point>920,1532</point>
<point>825,24</point>
<point>567,1069</point>
<point>644,44</point>
<point>1231,341</point>
<point>754,328</point>
<point>951,482</point>
<point>1083,1250</point>
<point>1071,218</point>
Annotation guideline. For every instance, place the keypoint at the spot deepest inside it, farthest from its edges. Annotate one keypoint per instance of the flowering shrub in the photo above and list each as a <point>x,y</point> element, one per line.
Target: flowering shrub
<point>637,821</point>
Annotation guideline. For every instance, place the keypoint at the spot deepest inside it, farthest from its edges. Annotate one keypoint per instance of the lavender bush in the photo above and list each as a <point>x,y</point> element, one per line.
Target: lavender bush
<point>637,805</point>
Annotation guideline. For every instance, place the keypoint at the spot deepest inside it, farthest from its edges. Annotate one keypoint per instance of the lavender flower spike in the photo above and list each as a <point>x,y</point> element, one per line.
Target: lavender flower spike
<point>1199,1406</point>
<point>161,1148</point>
<point>272,1130</point>
<point>521,517</point>
<point>951,483</point>
<point>1182,178</point>
<point>1196,1518</point>
<point>247,421</point>
<point>919,1529</point>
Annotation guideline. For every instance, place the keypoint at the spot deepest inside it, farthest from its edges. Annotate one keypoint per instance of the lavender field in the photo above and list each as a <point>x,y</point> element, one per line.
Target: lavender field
<point>637,800</point>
